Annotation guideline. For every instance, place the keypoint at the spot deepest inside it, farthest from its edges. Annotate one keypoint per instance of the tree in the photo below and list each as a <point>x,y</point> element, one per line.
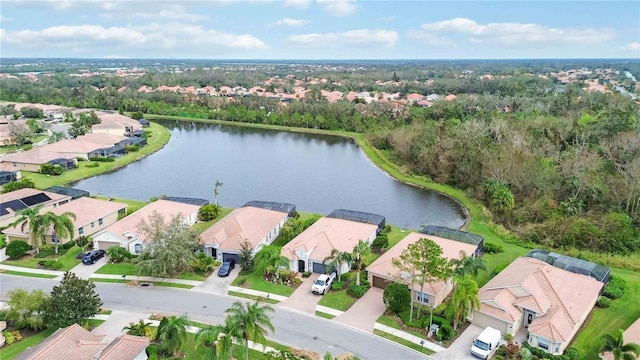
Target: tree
<point>270,256</point>
<point>17,248</point>
<point>26,307</point>
<point>463,300</point>
<point>361,250</point>
<point>63,227</point>
<point>17,185</point>
<point>31,220</point>
<point>170,246</point>
<point>208,212</point>
<point>249,322</point>
<point>55,136</point>
<point>424,262</point>
<point>216,192</point>
<point>173,334</point>
<point>397,297</point>
<point>32,112</point>
<point>620,350</point>
<point>19,133</point>
<point>336,259</point>
<point>246,256</point>
<point>467,265</point>
<point>73,301</point>
<point>218,339</point>
<point>138,329</point>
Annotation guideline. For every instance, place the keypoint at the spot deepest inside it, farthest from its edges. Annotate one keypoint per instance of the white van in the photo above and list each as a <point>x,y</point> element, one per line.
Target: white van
<point>486,343</point>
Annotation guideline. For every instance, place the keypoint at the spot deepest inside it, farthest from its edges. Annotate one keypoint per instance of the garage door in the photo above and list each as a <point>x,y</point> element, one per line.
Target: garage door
<point>319,268</point>
<point>235,257</point>
<point>484,320</point>
<point>380,282</point>
<point>104,245</point>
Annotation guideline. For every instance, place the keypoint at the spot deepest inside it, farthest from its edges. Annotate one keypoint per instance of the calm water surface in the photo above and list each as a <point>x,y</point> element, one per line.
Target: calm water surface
<point>317,173</point>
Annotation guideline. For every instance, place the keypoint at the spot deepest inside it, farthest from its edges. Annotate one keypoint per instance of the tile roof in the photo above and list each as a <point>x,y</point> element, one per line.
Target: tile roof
<point>74,146</point>
<point>70,343</point>
<point>23,193</point>
<point>39,155</point>
<point>245,223</point>
<point>125,347</point>
<point>102,138</point>
<point>327,234</point>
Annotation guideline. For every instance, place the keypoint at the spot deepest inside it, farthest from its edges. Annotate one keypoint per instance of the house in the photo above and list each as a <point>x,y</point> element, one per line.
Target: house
<point>549,302</point>
<point>101,138</point>
<point>73,192</point>
<point>92,216</point>
<point>414,97</point>
<point>76,343</point>
<point>125,233</point>
<point>114,123</point>
<point>630,336</point>
<point>9,174</point>
<point>31,160</point>
<point>13,202</point>
<point>259,223</point>
<point>6,124</point>
<point>307,251</point>
<point>382,271</point>
<point>78,148</point>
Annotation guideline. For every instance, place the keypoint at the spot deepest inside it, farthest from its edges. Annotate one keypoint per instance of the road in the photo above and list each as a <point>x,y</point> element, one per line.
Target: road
<point>292,328</point>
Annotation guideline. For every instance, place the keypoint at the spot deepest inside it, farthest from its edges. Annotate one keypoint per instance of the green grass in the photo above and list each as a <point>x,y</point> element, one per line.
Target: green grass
<point>403,342</point>
<point>20,273</point>
<point>338,300</point>
<point>67,259</point>
<point>200,227</point>
<point>155,283</point>
<point>256,282</point>
<point>160,136</point>
<point>117,281</point>
<point>195,352</point>
<point>132,205</point>
<point>8,352</point>
<point>324,315</point>
<point>105,312</point>
<point>193,276</point>
<point>93,323</point>
<point>117,269</point>
<point>390,322</point>
<point>170,284</point>
<point>395,235</point>
<point>252,297</point>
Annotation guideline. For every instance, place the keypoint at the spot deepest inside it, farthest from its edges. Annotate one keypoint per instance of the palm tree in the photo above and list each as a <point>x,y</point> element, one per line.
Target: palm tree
<point>249,323</point>
<point>55,136</point>
<point>463,300</point>
<point>270,256</point>
<point>361,250</point>
<point>218,339</point>
<point>336,259</point>
<point>467,265</point>
<point>173,334</point>
<point>137,329</point>
<point>31,219</point>
<point>63,227</point>
<point>620,350</point>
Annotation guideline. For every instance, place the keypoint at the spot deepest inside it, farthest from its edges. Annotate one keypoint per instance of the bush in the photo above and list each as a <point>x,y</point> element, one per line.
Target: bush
<point>17,185</point>
<point>82,241</point>
<point>3,242</point>
<point>306,274</point>
<point>208,212</point>
<point>16,335</point>
<point>615,288</point>
<point>396,297</point>
<point>51,169</point>
<point>118,254</point>
<point>44,253</point>
<point>8,337</point>
<point>17,248</point>
<point>68,245</point>
<point>569,354</point>
<point>490,248</point>
<point>92,165</point>
<point>297,281</point>
<point>50,264</point>
<point>203,263</point>
<point>446,332</point>
<point>357,290</point>
<point>152,352</point>
<point>381,242</point>
<point>337,285</point>
<point>102,159</point>
<point>131,148</point>
<point>603,302</point>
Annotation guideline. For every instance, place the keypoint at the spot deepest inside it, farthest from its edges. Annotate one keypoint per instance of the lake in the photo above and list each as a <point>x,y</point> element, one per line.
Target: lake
<point>317,173</point>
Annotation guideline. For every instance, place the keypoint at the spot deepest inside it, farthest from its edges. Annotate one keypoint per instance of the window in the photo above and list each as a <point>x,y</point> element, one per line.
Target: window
<point>93,224</point>
<point>137,248</point>
<point>543,344</point>
<point>100,221</point>
<point>556,348</point>
<point>81,231</point>
<point>422,297</point>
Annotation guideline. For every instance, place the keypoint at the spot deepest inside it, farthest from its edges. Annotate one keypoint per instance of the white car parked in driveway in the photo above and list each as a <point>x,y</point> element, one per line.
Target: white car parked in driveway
<point>323,283</point>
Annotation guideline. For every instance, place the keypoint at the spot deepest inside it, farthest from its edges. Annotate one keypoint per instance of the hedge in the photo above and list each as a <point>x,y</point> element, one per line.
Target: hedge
<point>17,248</point>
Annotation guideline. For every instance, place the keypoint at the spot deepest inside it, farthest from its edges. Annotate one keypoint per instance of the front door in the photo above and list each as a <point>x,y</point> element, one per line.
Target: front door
<point>528,318</point>
<point>301,266</point>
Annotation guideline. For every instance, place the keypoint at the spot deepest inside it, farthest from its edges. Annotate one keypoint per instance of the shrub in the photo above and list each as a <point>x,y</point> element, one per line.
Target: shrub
<point>131,148</point>
<point>16,335</point>
<point>446,332</point>
<point>51,169</point>
<point>8,337</point>
<point>208,212</point>
<point>203,263</point>
<point>17,248</point>
<point>82,241</point>
<point>396,297</point>
<point>386,229</point>
<point>50,264</point>
<point>491,248</point>
<point>68,245</point>
<point>297,281</point>
<point>102,159</point>
<point>152,352</point>
<point>17,185</point>
<point>118,254</point>
<point>381,242</point>
<point>3,241</point>
<point>92,165</point>
<point>357,290</point>
<point>337,285</point>
<point>418,323</point>
<point>44,253</point>
<point>569,354</point>
<point>603,302</point>
<point>306,274</point>
<point>615,288</point>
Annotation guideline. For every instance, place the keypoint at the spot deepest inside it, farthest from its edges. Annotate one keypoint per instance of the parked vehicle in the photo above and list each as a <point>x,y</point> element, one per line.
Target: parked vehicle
<point>323,283</point>
<point>226,267</point>
<point>486,343</point>
<point>93,256</point>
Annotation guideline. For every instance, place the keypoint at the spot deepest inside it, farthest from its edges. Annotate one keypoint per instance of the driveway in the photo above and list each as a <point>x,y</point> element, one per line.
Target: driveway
<point>85,271</point>
<point>364,313</point>
<point>461,347</point>
<point>3,254</point>
<point>302,299</point>
<point>112,327</point>
<point>216,284</point>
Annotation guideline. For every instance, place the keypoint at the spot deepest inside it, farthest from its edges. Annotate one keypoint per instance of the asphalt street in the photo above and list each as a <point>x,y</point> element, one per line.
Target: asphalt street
<point>292,327</point>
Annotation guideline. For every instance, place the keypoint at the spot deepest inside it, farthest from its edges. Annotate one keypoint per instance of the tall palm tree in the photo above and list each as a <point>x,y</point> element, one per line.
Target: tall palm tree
<point>30,221</point>
<point>361,250</point>
<point>249,322</point>
<point>62,224</point>
<point>336,259</point>
<point>463,300</point>
<point>173,334</point>
<point>467,265</point>
<point>620,350</point>
<point>218,339</point>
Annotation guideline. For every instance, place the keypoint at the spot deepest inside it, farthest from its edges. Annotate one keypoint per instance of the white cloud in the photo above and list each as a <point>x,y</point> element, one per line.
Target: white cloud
<point>287,22</point>
<point>338,7</point>
<point>300,4</point>
<point>151,37</point>
<point>632,46</point>
<point>5,19</point>
<point>348,38</point>
<point>519,33</point>
<point>430,38</point>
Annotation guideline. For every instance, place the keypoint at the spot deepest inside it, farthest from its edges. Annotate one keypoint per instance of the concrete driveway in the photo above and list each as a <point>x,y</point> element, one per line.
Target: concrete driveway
<point>112,327</point>
<point>364,313</point>
<point>217,284</point>
<point>461,347</point>
<point>302,299</point>
<point>85,271</point>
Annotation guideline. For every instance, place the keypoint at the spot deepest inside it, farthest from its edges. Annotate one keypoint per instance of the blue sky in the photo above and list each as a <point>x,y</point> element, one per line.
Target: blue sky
<point>320,29</point>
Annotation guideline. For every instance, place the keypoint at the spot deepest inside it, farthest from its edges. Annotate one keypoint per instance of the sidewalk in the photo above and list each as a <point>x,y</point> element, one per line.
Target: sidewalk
<point>409,337</point>
<point>257,293</point>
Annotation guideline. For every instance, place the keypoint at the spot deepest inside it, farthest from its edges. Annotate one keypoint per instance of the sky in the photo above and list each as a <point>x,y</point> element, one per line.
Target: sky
<point>319,29</point>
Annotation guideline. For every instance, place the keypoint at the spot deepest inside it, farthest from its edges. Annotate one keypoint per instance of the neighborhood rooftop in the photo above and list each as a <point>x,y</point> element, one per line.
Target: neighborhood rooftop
<point>574,265</point>
<point>188,200</point>
<point>276,206</point>
<point>457,235</point>
<point>24,198</point>
<point>363,217</point>
<point>62,190</point>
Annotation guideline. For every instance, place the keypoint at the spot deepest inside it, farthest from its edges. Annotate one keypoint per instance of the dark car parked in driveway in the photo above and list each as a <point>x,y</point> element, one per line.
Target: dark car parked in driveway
<point>93,256</point>
<point>226,267</point>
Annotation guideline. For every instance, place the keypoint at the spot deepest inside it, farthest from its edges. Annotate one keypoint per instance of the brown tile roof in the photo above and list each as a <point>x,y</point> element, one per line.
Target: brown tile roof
<point>70,343</point>
<point>327,234</point>
<point>39,155</point>
<point>102,138</point>
<point>250,223</point>
<point>110,121</point>
<point>125,347</point>
<point>74,146</point>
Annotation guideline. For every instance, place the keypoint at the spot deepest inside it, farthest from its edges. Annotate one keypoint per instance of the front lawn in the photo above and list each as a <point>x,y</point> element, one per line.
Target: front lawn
<point>255,281</point>
<point>68,260</point>
<point>403,342</point>
<point>117,269</point>
<point>338,300</point>
<point>252,297</point>
<point>8,352</point>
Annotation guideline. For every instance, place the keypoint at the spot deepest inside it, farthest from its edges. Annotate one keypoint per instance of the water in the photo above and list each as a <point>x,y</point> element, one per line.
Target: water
<point>317,173</point>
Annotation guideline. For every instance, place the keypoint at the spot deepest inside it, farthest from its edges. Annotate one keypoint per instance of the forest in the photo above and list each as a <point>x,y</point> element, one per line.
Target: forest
<point>556,165</point>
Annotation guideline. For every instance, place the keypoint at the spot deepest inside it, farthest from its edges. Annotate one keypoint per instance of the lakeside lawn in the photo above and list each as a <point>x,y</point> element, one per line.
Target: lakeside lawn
<point>67,259</point>
<point>132,205</point>
<point>200,227</point>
